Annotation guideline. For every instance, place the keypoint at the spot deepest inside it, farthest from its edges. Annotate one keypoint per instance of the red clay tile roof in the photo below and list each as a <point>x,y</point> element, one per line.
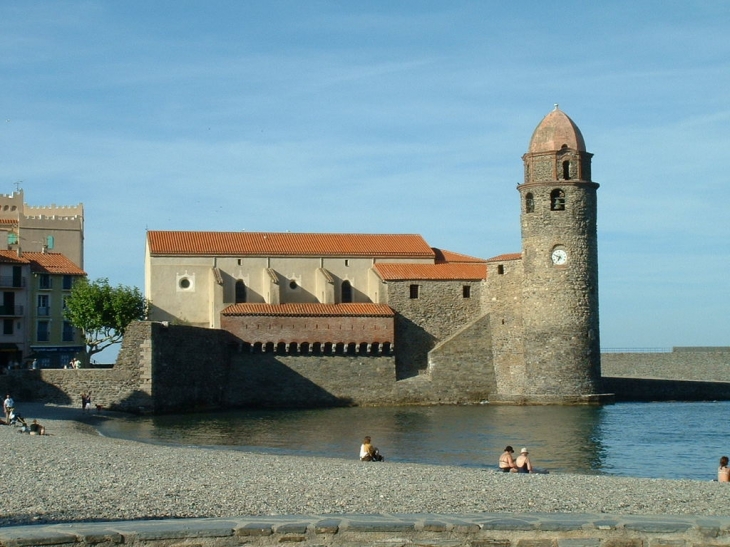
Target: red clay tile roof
<point>505,257</point>
<point>10,256</point>
<point>443,255</point>
<point>437,272</point>
<point>287,244</point>
<point>52,263</point>
<point>316,309</point>
<point>8,221</point>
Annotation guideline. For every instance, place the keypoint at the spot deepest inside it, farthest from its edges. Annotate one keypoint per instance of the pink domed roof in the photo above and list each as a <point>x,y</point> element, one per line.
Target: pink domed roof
<point>555,131</point>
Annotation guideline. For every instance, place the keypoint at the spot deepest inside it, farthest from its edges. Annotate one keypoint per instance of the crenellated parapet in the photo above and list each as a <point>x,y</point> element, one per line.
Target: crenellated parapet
<point>54,212</point>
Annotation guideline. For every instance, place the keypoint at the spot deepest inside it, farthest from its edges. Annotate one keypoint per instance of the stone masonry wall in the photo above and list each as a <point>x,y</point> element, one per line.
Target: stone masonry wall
<point>560,303</point>
<point>383,530</point>
<point>177,368</point>
<point>190,367</point>
<point>125,387</point>
<point>320,329</point>
<point>701,365</point>
<point>687,374</point>
<point>303,381</point>
<point>438,312</point>
<point>461,367</point>
<point>504,303</point>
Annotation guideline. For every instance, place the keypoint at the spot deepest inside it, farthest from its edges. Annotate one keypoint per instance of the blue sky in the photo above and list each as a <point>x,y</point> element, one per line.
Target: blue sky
<point>383,117</point>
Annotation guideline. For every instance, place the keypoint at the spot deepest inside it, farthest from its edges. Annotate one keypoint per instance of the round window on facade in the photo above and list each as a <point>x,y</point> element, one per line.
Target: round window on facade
<point>184,283</point>
<point>292,284</point>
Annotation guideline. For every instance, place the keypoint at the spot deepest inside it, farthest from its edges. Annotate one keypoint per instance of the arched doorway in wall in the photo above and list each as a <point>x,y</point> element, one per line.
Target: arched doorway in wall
<point>240,291</point>
<point>346,292</point>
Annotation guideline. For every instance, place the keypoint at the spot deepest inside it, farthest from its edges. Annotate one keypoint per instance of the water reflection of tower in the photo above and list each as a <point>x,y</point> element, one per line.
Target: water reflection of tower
<point>564,438</point>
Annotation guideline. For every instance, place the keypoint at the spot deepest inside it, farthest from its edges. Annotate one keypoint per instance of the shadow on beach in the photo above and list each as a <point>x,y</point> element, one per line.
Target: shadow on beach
<point>62,413</point>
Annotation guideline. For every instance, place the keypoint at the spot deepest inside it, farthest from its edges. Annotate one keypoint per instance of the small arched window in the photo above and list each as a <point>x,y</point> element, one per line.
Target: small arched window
<point>346,292</point>
<point>557,200</point>
<point>529,203</point>
<point>566,170</point>
<point>240,291</point>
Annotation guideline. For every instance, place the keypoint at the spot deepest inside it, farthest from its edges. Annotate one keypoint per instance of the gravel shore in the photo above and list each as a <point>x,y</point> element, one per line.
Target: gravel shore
<point>74,474</point>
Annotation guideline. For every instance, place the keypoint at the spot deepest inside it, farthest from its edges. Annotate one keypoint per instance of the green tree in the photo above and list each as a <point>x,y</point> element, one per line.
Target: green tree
<point>103,312</point>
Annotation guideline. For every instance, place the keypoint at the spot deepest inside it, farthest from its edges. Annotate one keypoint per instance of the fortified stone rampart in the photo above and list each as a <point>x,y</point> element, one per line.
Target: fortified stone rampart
<point>125,387</point>
<point>682,363</point>
<point>190,367</point>
<point>439,310</point>
<point>695,374</point>
<point>180,368</point>
<point>302,381</point>
<point>310,330</point>
<point>54,211</point>
<point>504,283</point>
<point>461,367</point>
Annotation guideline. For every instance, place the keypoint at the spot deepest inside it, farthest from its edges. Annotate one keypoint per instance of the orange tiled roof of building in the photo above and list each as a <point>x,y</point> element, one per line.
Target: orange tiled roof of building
<point>8,221</point>
<point>321,310</point>
<point>437,272</point>
<point>504,257</point>
<point>7,255</point>
<point>287,244</point>
<point>443,255</point>
<point>52,263</point>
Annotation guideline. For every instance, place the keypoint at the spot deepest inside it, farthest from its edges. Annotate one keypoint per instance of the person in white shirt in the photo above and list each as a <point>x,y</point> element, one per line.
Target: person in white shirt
<point>8,405</point>
<point>368,453</point>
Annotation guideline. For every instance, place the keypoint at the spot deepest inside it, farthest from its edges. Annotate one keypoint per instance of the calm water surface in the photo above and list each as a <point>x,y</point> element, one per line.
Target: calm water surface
<point>656,440</point>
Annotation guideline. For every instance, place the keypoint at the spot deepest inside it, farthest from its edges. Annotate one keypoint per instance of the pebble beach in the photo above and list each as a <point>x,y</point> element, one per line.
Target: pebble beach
<point>73,474</point>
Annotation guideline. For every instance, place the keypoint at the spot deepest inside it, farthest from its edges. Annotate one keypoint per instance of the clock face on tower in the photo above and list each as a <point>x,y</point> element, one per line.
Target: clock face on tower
<point>559,257</point>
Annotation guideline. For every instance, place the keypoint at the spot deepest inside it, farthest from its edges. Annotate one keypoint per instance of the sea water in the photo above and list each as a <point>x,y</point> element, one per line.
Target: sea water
<point>657,440</point>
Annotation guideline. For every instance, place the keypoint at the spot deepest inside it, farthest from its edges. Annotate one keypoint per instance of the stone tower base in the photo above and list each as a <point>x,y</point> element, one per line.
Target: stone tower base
<point>592,399</point>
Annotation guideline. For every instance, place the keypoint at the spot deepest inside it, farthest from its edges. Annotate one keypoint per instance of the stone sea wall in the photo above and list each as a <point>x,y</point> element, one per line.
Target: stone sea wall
<point>685,373</point>
<point>431,530</point>
<point>701,364</point>
<point>179,368</point>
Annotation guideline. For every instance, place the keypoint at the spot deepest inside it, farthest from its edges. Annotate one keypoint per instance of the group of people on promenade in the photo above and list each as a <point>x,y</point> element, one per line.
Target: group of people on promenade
<point>521,464</point>
<point>13,417</point>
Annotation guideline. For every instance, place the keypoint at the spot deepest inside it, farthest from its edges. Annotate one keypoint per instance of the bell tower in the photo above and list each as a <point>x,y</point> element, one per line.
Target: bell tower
<point>562,356</point>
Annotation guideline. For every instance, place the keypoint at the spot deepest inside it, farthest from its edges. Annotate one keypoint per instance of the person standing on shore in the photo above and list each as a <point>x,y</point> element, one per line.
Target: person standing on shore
<point>8,405</point>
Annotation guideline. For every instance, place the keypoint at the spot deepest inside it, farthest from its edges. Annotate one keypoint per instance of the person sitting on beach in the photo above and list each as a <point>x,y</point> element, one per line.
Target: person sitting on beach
<point>37,429</point>
<point>523,462</point>
<point>368,453</point>
<point>723,472</point>
<point>17,420</point>
<point>506,461</point>
<point>24,427</point>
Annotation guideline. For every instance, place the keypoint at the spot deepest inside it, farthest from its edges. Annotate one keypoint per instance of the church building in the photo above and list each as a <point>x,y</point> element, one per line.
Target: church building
<point>518,328</point>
